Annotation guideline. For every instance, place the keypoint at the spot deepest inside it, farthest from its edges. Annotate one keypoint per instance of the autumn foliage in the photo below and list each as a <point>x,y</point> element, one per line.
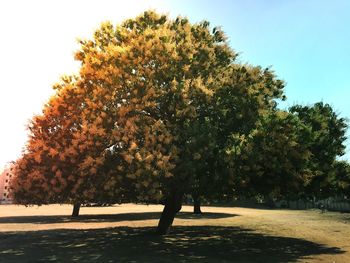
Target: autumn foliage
<point>160,108</point>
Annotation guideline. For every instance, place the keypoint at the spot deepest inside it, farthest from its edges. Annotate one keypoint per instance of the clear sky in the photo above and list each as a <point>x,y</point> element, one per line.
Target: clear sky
<point>305,42</point>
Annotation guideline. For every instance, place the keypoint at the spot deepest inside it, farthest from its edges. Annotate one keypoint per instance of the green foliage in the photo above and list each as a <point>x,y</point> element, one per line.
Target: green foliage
<point>340,178</point>
<point>272,160</point>
<point>325,144</point>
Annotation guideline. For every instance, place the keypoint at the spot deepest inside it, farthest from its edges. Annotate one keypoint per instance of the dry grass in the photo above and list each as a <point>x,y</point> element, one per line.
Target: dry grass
<point>125,234</point>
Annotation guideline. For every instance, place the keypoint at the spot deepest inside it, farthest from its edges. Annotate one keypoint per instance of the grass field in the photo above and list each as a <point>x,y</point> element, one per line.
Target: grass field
<point>125,233</point>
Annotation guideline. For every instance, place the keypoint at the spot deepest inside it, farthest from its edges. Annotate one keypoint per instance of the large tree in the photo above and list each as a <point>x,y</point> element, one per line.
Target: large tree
<point>150,116</point>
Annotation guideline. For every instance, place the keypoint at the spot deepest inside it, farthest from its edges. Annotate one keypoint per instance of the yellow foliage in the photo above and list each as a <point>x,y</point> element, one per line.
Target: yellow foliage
<point>168,174</point>
<point>138,156</point>
<point>131,176</point>
<point>128,158</point>
<point>149,158</point>
<point>133,146</point>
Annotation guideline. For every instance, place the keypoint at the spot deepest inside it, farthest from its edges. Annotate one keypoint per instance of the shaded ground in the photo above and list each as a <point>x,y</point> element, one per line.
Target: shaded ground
<point>104,218</point>
<point>113,234</point>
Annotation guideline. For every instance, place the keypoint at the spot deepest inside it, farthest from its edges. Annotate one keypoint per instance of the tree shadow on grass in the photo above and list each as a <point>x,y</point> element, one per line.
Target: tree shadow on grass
<point>106,217</point>
<point>204,215</point>
<point>184,244</point>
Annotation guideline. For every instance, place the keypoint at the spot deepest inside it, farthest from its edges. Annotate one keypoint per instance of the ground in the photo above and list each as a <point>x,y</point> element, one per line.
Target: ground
<point>125,233</point>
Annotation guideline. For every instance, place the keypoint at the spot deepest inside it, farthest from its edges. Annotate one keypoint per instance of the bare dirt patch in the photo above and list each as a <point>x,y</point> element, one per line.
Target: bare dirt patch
<point>124,233</point>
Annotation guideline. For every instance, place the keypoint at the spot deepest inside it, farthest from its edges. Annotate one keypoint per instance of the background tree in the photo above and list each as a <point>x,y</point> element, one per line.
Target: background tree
<point>326,144</point>
<point>340,179</point>
<point>272,161</point>
<point>244,94</point>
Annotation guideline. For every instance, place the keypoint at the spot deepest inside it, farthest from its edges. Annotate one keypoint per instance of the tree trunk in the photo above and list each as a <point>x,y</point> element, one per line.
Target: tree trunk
<point>196,204</point>
<point>172,205</point>
<point>76,208</point>
<point>270,202</point>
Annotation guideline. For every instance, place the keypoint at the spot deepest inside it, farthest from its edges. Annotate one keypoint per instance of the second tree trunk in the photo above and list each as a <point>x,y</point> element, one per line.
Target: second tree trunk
<point>76,209</point>
<point>196,204</point>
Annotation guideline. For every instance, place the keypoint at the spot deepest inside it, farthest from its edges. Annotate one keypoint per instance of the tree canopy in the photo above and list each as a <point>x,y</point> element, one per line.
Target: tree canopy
<point>162,107</point>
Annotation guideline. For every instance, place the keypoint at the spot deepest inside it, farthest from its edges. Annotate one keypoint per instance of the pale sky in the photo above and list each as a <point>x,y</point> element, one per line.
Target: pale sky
<point>306,42</point>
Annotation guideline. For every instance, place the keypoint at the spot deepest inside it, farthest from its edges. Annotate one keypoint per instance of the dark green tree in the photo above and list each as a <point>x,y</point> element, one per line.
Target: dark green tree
<point>272,161</point>
<point>243,96</point>
<point>326,144</point>
<point>340,179</point>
